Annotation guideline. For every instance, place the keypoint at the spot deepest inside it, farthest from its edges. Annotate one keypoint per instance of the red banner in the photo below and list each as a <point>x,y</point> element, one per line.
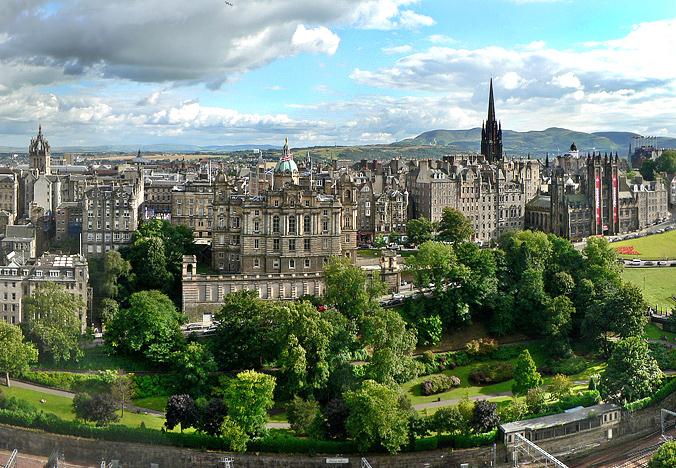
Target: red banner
<point>598,200</point>
<point>615,207</point>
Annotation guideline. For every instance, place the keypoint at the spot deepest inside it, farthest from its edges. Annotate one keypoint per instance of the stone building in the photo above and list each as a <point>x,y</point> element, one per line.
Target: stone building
<point>191,206</point>
<point>68,221</point>
<point>19,280</point>
<point>9,194</point>
<point>110,215</point>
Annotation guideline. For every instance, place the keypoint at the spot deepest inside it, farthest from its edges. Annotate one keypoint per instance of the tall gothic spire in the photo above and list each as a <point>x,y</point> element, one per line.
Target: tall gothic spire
<point>491,104</point>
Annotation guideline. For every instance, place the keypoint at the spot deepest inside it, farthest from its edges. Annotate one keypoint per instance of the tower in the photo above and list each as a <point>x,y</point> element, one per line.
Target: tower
<point>491,132</point>
<point>40,154</point>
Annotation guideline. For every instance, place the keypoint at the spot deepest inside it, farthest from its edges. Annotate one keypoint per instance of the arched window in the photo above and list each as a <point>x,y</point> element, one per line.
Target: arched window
<point>292,224</point>
<point>275,224</point>
<point>307,224</point>
<point>221,222</point>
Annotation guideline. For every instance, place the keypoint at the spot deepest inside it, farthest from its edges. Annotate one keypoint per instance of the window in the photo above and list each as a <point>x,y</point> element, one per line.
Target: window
<point>306,245</point>
<point>307,224</point>
<point>325,212</point>
<point>275,224</point>
<point>256,246</point>
<point>292,224</point>
<point>256,226</point>
<point>275,263</point>
<point>292,245</point>
<point>276,203</point>
<point>275,245</point>
<point>256,263</point>
<point>292,264</point>
<point>325,226</point>
<point>306,263</point>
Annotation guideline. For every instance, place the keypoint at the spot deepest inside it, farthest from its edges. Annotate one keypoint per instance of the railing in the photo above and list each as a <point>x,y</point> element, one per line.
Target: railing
<point>11,462</point>
<point>365,463</point>
<point>529,449</point>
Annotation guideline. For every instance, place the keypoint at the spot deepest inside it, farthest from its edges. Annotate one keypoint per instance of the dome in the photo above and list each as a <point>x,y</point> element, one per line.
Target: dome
<point>573,147</point>
<point>286,166</point>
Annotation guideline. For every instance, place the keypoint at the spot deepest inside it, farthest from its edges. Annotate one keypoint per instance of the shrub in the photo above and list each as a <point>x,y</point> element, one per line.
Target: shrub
<point>560,386</point>
<point>665,457</point>
<point>99,408</point>
<point>667,388</point>
<point>535,399</point>
<point>487,374</point>
<point>301,415</point>
<point>466,440</point>
<point>665,356</point>
<point>485,417</point>
<point>516,411</point>
<point>428,357</point>
<point>146,386</point>
<point>447,420</point>
<point>569,366</point>
<point>481,346</point>
<point>438,384</point>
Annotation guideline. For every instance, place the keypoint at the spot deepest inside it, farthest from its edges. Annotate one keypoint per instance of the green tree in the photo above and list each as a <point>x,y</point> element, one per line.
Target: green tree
<point>99,408</point>
<point>16,355</point>
<point>666,162</point>
<point>122,390</point>
<point>108,309</point>
<point>600,263</point>
<point>631,374</point>
<point>435,263</point>
<point>349,290</point>
<point>454,226</point>
<point>114,268</point>
<point>148,258</point>
<point>149,327</point>
<point>293,367</point>
<point>560,386</point>
<point>526,375</point>
<point>536,400</point>
<point>516,411</point>
<point>531,299</point>
<point>447,420</point>
<point>419,230</point>
<point>302,415</point>
<point>562,284</point>
<point>193,365</point>
<point>558,324</point>
<point>392,344</point>
<point>647,169</point>
<point>246,335</point>
<point>248,397</point>
<point>54,321</point>
<point>377,416</point>
<point>665,456</point>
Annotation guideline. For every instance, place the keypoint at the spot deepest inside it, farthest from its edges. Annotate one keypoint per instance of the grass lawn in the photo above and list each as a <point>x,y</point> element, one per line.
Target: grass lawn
<point>654,332</point>
<point>458,339</point>
<point>63,407</point>
<point>653,247</point>
<point>157,403</point>
<point>658,284</point>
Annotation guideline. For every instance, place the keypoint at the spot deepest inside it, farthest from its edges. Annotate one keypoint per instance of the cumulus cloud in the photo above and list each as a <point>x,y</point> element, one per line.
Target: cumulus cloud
<point>389,14</point>
<point>318,40</point>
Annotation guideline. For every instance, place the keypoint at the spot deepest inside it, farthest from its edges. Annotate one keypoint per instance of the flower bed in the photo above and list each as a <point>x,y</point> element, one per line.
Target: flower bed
<point>627,250</point>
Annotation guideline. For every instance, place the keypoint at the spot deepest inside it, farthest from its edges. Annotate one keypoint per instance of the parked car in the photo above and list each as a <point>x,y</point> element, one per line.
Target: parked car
<point>636,261</point>
<point>648,263</point>
<point>194,326</point>
<point>662,263</point>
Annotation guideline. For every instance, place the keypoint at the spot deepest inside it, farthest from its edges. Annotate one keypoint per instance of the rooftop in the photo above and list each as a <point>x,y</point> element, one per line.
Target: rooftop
<point>577,414</point>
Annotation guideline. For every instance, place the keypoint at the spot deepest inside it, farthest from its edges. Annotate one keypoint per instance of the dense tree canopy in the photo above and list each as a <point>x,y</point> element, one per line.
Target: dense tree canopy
<point>348,288</point>
<point>150,328</point>
<point>15,354</point>
<point>54,322</point>
<point>631,374</point>
<point>454,226</point>
<point>248,398</point>
<point>420,230</point>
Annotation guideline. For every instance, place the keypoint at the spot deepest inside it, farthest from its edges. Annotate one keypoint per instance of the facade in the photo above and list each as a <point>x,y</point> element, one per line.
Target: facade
<point>110,215</point>
<point>9,195</point>
<point>20,239</point>
<point>68,222</point>
<point>19,280</point>
<point>590,196</point>
<point>191,206</point>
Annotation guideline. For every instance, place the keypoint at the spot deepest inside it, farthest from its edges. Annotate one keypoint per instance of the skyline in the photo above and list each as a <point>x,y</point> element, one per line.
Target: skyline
<point>349,72</point>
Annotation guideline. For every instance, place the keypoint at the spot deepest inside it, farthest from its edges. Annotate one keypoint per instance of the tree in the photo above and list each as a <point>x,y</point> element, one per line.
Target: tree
<point>560,386</point>
<point>16,355</point>
<point>349,290</point>
<point>108,309</point>
<point>562,284</point>
<point>447,420</point>
<point>526,375</point>
<point>558,324</point>
<point>435,263</point>
<point>234,433</point>
<point>246,335</point>
<point>536,400</point>
<point>301,415</point>
<point>419,230</point>
<point>110,277</point>
<point>54,321</point>
<point>454,226</point>
<point>485,416</point>
<point>148,258</point>
<point>531,299</point>
<point>392,344</point>
<point>114,268</point>
<point>600,261</point>
<point>293,364</point>
<point>376,417</point>
<point>647,169</point>
<point>517,410</point>
<point>193,364</point>
<point>248,397</point>
<point>665,456</point>
<point>122,390</point>
<point>99,408</point>
<point>631,374</point>
<point>150,327</point>
<point>181,410</point>
<point>211,414</point>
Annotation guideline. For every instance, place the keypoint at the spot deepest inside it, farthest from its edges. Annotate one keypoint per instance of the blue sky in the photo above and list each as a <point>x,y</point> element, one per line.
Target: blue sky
<point>329,71</point>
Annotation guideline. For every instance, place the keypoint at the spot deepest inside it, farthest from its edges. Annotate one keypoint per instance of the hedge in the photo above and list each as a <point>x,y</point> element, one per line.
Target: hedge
<point>665,390</point>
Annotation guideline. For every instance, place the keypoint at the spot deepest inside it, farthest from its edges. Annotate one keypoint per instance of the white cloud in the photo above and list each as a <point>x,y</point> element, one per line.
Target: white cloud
<point>441,39</point>
<point>395,50</point>
<point>388,14</point>
<point>512,80</point>
<point>317,40</point>
<point>411,20</point>
<point>567,80</point>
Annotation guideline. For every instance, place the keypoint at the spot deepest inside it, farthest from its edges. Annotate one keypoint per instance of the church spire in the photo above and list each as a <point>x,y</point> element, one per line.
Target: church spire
<point>491,104</point>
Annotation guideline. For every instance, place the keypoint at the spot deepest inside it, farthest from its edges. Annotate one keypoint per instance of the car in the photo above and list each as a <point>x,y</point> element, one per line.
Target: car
<point>662,263</point>
<point>636,261</point>
<point>648,263</point>
<point>194,326</point>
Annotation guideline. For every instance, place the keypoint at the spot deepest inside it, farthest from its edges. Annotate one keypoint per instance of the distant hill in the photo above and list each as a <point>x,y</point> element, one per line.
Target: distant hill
<point>155,148</point>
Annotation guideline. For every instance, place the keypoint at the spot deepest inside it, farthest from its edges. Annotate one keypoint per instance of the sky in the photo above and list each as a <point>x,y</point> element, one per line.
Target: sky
<point>325,72</point>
